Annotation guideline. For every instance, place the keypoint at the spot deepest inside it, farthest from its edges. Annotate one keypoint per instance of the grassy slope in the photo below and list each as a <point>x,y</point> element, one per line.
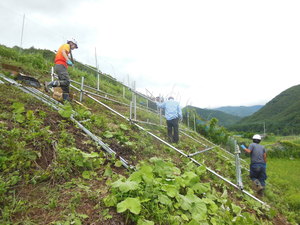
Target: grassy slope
<point>285,173</point>
<point>61,198</point>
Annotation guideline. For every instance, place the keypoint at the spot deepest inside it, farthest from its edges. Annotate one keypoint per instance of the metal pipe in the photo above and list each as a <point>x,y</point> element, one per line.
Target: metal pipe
<point>81,89</point>
<point>200,151</point>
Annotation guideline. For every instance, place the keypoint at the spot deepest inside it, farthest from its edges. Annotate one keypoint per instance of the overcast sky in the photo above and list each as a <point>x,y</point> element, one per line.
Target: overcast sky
<point>207,53</point>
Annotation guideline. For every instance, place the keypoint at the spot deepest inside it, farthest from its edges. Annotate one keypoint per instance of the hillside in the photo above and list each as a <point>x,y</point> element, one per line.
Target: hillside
<point>281,115</point>
<point>225,119</point>
<point>89,163</point>
<point>240,111</point>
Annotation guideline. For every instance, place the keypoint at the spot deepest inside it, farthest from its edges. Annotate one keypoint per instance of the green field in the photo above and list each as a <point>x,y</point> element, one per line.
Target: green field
<point>285,173</point>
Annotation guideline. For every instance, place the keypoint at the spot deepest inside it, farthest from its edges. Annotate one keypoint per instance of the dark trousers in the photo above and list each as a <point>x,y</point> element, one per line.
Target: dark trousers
<point>258,171</point>
<point>63,78</point>
<point>173,130</point>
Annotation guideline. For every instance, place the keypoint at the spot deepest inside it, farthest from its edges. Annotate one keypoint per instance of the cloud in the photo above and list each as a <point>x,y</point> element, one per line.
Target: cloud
<point>211,53</point>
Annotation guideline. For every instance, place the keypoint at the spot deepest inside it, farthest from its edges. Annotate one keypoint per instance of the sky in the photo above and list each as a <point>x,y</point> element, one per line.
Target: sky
<point>204,53</point>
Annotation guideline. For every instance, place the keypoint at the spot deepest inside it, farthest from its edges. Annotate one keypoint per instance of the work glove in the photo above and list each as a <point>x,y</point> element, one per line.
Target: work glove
<point>69,62</point>
<point>243,147</point>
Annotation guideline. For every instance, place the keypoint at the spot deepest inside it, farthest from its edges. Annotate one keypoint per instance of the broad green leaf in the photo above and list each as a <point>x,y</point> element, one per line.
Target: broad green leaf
<point>86,174</point>
<point>236,209</point>
<point>144,173</point>
<point>108,172</point>
<point>199,210</point>
<point>201,188</point>
<point>123,126</point>
<point>110,200</point>
<point>190,178</point>
<point>125,186</point>
<point>132,204</point>
<point>30,115</point>
<point>200,170</point>
<point>118,163</point>
<point>144,222</point>
<point>18,107</point>
<point>67,111</point>
<point>212,206</point>
<point>20,118</point>
<point>128,143</point>
<point>184,217</point>
<point>108,134</point>
<point>163,199</point>
<point>171,190</point>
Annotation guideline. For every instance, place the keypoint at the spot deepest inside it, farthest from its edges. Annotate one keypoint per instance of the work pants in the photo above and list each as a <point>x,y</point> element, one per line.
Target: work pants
<point>173,130</point>
<point>63,80</point>
<point>258,171</point>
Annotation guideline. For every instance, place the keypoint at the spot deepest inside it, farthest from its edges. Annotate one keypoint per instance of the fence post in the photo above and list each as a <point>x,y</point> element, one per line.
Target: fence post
<point>194,122</point>
<point>81,89</point>
<point>238,165</point>
<point>188,119</point>
<point>130,110</point>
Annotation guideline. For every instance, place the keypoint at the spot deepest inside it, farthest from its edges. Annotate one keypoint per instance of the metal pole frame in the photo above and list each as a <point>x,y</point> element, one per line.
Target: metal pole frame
<point>182,153</point>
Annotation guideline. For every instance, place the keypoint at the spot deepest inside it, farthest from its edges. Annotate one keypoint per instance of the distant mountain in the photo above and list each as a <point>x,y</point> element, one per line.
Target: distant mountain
<point>281,115</point>
<point>225,119</point>
<point>241,111</point>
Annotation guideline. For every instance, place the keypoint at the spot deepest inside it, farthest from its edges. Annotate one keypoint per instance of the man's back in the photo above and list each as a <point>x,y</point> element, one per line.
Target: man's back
<point>257,153</point>
<point>172,109</point>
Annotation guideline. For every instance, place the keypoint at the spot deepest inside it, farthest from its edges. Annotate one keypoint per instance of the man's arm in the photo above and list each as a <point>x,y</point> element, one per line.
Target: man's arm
<point>246,149</point>
<point>265,157</point>
<point>161,105</point>
<point>65,54</point>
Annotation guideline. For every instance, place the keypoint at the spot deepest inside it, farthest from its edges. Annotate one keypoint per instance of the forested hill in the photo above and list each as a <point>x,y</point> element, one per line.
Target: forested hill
<point>224,119</point>
<point>241,111</point>
<point>281,115</point>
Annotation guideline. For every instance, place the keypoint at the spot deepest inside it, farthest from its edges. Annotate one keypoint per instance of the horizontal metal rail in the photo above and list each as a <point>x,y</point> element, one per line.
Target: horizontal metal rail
<point>196,153</point>
<point>109,99</point>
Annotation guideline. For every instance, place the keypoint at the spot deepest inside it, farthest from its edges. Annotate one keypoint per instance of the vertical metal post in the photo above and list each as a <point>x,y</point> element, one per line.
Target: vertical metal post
<point>130,110</point>
<point>81,89</point>
<point>238,166</point>
<point>194,122</point>
<point>22,31</point>
<point>98,74</point>
<point>188,119</point>
<point>134,101</point>
<point>160,116</point>
<point>52,73</point>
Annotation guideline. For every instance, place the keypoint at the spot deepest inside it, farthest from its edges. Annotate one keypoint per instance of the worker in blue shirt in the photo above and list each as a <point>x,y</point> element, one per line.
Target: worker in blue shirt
<point>173,114</point>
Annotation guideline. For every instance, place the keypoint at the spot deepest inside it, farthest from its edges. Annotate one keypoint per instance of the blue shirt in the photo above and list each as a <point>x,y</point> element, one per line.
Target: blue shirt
<point>172,109</point>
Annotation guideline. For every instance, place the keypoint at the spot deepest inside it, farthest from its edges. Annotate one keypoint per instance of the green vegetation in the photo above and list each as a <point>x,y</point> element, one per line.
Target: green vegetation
<point>224,119</point>
<point>280,115</point>
<point>241,111</point>
<point>282,173</point>
<point>52,173</point>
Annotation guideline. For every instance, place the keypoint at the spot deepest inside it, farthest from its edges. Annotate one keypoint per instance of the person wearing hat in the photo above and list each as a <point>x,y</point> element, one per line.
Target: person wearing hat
<point>62,61</point>
<point>258,163</point>
<point>173,114</point>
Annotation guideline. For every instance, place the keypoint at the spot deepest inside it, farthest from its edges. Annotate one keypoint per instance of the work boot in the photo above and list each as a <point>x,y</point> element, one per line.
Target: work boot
<point>261,192</point>
<point>257,185</point>
<point>46,86</point>
<point>66,97</point>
